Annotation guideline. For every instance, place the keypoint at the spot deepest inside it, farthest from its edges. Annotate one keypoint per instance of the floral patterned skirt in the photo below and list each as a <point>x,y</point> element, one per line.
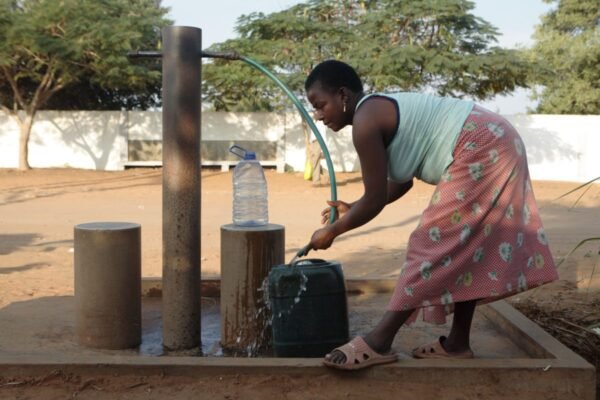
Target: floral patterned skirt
<point>481,237</point>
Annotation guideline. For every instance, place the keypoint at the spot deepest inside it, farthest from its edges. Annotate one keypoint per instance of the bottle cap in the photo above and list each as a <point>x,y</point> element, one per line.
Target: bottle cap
<point>250,155</point>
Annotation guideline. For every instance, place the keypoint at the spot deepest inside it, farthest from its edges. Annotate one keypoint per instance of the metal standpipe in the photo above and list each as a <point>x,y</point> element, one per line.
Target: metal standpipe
<point>181,60</point>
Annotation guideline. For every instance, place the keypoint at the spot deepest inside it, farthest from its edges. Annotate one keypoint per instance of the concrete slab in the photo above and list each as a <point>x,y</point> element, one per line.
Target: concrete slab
<point>515,358</point>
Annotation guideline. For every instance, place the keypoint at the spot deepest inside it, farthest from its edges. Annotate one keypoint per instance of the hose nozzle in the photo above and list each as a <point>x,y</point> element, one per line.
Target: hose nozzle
<point>301,253</point>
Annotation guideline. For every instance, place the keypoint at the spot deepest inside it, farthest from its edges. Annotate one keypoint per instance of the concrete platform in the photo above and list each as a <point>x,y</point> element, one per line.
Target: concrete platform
<point>515,358</point>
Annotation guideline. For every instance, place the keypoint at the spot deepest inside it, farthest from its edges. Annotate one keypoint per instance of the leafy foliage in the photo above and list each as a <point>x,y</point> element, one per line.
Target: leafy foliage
<point>567,45</point>
<point>79,48</point>
<point>432,45</point>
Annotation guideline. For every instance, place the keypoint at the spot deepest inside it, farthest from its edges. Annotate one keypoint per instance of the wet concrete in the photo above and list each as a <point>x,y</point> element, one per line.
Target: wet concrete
<point>515,359</point>
<point>28,330</point>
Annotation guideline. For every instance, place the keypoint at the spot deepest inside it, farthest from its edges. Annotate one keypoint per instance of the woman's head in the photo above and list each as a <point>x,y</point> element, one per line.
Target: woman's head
<point>333,75</point>
<point>333,88</point>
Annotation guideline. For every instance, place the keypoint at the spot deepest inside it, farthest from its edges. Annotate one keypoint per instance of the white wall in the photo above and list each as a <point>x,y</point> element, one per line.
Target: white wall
<point>559,147</point>
<point>79,139</point>
<point>9,142</point>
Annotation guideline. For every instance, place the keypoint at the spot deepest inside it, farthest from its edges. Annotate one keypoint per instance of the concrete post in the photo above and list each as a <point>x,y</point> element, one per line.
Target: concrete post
<point>247,255</point>
<point>108,284</point>
<point>182,47</point>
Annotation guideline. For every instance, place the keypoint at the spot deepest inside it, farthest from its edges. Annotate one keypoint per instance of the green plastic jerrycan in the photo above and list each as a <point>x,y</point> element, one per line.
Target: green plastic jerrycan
<point>309,308</point>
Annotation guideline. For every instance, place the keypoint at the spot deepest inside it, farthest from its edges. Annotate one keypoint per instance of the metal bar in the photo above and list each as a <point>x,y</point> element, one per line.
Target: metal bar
<point>230,55</point>
<point>181,187</point>
<point>144,54</point>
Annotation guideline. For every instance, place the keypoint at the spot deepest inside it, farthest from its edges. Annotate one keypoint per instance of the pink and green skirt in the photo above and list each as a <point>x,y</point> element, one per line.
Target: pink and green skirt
<point>481,237</point>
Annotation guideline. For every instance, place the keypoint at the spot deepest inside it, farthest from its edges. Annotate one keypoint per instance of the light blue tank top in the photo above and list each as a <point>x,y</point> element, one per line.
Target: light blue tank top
<point>427,133</point>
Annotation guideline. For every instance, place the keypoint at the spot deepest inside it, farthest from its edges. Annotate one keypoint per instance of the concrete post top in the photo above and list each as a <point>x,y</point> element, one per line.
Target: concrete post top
<point>108,226</point>
<point>261,228</point>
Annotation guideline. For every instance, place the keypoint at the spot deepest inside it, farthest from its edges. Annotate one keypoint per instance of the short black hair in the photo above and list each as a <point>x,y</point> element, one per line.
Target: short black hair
<point>334,74</point>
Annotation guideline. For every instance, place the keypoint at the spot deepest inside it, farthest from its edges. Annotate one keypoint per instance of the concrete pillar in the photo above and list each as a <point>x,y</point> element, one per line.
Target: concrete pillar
<point>108,284</point>
<point>247,255</point>
<point>182,47</point>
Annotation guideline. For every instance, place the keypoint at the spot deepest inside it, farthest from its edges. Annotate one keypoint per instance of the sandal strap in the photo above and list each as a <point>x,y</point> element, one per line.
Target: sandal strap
<point>433,348</point>
<point>355,348</point>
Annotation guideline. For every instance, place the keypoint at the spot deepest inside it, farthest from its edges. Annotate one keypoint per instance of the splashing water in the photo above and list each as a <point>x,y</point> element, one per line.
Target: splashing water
<point>264,317</point>
<point>301,288</point>
<point>264,313</point>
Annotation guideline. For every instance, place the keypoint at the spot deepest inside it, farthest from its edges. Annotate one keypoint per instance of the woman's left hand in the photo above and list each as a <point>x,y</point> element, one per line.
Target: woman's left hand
<point>322,238</point>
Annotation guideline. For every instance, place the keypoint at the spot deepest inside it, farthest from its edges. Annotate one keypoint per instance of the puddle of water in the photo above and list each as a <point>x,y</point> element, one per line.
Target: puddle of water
<point>210,325</point>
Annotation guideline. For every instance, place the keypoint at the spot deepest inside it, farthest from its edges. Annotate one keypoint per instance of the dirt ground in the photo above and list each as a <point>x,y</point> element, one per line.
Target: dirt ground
<point>39,209</point>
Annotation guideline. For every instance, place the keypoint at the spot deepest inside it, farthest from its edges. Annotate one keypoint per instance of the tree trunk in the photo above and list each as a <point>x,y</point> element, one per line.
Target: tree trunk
<point>25,127</point>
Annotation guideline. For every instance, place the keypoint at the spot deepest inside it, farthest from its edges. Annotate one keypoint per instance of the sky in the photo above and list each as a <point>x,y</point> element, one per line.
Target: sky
<point>514,19</point>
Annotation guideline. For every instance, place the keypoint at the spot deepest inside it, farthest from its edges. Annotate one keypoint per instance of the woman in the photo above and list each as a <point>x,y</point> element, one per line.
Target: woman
<point>479,240</point>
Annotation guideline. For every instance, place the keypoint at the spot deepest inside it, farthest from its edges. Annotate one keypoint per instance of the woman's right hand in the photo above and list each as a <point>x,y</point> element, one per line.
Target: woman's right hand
<point>341,207</point>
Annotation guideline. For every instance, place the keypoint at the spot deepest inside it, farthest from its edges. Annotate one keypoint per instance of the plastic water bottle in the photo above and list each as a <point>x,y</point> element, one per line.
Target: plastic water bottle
<point>250,203</point>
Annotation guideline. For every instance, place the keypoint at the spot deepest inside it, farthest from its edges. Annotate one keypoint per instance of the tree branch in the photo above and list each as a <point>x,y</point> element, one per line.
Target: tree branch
<point>14,87</point>
<point>49,93</point>
<point>41,93</point>
<point>34,56</point>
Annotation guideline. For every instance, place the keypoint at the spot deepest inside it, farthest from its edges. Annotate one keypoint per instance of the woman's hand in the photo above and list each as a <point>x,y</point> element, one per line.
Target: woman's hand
<point>341,207</point>
<point>322,238</point>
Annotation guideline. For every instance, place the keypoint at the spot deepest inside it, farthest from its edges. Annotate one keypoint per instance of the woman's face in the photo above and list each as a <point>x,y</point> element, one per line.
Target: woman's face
<point>328,105</point>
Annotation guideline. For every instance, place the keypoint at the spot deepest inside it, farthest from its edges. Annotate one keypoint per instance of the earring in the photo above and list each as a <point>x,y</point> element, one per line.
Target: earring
<point>344,106</point>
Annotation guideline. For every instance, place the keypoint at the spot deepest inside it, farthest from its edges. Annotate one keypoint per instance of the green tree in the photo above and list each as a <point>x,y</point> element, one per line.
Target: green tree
<point>78,47</point>
<point>567,46</point>
<point>434,45</point>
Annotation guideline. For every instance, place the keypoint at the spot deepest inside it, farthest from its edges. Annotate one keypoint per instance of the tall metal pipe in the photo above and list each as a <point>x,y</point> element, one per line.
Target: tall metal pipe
<point>182,49</point>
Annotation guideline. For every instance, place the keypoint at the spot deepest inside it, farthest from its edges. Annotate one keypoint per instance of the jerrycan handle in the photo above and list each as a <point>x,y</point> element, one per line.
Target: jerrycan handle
<point>309,262</point>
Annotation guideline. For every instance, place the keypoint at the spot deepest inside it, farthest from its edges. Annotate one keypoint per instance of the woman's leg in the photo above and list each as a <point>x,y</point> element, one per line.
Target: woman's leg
<point>459,338</point>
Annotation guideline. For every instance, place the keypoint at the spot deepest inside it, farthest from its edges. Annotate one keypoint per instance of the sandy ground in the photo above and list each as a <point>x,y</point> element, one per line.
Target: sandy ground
<point>39,209</point>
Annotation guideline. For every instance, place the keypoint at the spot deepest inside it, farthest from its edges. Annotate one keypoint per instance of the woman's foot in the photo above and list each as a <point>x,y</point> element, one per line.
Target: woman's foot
<point>377,344</point>
<point>454,346</point>
<point>380,339</point>
<point>357,354</point>
<point>440,349</point>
